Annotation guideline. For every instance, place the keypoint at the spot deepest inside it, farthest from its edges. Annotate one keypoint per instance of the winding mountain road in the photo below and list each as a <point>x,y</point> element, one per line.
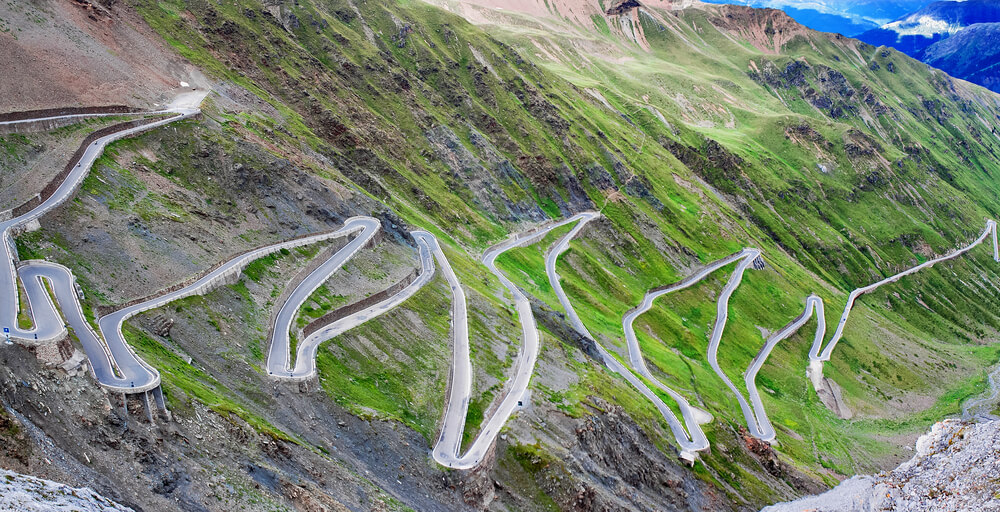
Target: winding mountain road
<point>278,364</point>
<point>813,303</point>
<point>758,429</point>
<point>449,444</point>
<point>818,354</point>
<point>755,414</point>
<point>111,325</point>
<point>279,354</point>
<point>691,440</point>
<point>118,367</point>
<point>815,355</point>
<point>693,417</point>
<point>52,295</point>
<point>757,421</point>
<point>446,450</point>
<point>114,363</point>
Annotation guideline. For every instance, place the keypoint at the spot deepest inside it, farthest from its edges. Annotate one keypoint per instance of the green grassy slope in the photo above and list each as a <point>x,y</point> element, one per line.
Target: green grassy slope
<point>903,176</point>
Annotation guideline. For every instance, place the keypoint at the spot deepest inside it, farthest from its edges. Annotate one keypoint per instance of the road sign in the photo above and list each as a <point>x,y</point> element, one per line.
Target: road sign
<point>6,330</point>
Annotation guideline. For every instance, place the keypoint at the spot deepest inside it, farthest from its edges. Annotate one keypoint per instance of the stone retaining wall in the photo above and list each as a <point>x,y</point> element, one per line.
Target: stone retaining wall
<point>54,354</point>
<point>31,122</point>
<point>58,180</point>
<point>65,111</point>
<point>360,305</point>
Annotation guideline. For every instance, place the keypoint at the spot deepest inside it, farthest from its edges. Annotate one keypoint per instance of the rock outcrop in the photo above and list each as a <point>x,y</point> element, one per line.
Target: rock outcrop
<point>955,468</point>
<point>24,492</point>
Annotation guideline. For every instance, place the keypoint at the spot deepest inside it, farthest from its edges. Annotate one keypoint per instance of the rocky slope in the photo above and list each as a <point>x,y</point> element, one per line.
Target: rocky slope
<point>955,468</point>
<point>849,18</point>
<point>957,37</point>
<point>30,494</point>
<point>83,53</point>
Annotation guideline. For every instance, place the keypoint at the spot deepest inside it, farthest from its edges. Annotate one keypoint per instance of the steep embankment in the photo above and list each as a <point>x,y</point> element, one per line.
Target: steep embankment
<point>84,53</point>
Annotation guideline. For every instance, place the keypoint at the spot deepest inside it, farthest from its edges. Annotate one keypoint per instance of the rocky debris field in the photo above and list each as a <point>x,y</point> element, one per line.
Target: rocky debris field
<point>84,52</point>
<point>956,468</point>
<point>66,429</point>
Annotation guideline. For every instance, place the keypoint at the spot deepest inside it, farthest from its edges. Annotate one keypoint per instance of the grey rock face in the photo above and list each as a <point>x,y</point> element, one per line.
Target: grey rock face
<point>955,468</point>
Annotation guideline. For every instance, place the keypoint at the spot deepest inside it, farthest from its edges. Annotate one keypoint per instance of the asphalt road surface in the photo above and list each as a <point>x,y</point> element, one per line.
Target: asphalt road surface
<point>757,421</point>
<point>446,450</point>
<point>764,432</point>
<point>110,325</point>
<point>279,354</point>
<point>991,229</point>
<point>693,416</point>
<point>813,304</point>
<point>449,444</point>
<point>517,384</point>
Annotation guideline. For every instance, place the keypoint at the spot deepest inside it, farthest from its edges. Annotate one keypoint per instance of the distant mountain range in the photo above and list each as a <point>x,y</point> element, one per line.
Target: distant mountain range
<point>973,54</point>
<point>958,37</point>
<point>914,33</point>
<point>848,17</point>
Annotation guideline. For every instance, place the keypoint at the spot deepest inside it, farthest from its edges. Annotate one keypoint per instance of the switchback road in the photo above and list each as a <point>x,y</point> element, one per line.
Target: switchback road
<point>114,363</point>
<point>693,417</point>
<point>278,363</point>
<point>756,417</point>
<point>690,440</point>
<point>446,451</point>
<point>117,367</point>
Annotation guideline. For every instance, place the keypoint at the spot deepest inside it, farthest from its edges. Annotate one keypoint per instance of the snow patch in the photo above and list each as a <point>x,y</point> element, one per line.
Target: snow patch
<point>923,25</point>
